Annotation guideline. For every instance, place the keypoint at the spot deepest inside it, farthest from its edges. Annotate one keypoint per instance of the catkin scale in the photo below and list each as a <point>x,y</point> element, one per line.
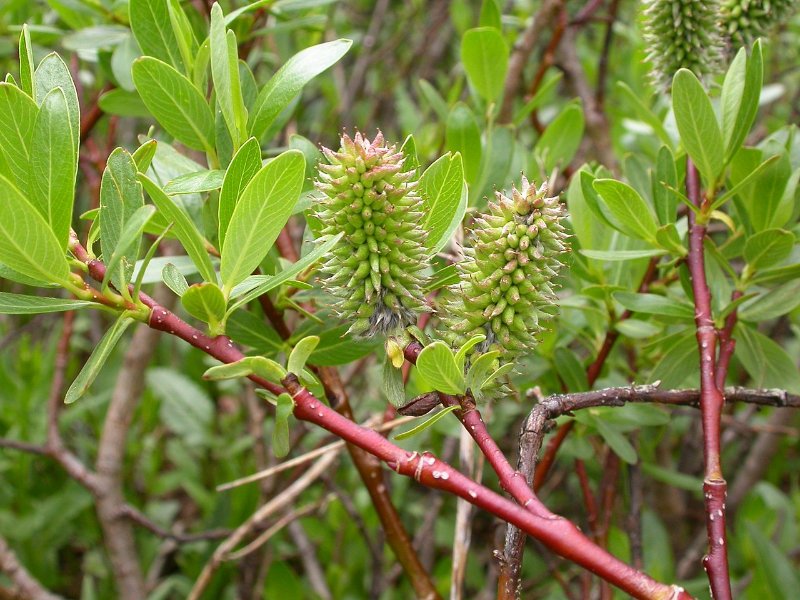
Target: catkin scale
<point>375,271</point>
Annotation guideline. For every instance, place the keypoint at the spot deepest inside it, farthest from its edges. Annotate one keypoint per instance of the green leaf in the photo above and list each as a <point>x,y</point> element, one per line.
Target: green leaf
<point>637,329</point>
<point>434,98</point>
<point>249,330</point>
<point>697,125</point>
<point>152,27</point>
<point>53,73</point>
<point>484,53</point>
<point>621,255</point>
<point>748,181</point>
<point>740,95</point>
<point>265,283</point>
<point>633,214</point>
<point>774,572</point>
<point>183,227</point>
<point>653,304</point>
<point>461,355</point>
<point>286,84</point>
<point>490,15</point>
<point>26,68</point>
<point>27,244</point>
<point>195,183</point>
<point>120,198</point>
<point>644,113</point>
<point>409,151</point>
<point>560,141</point>
<point>337,348</point>
<point>22,304</point>
<point>679,361</point>
<point>570,369</point>
<point>123,103</point>
<point>280,432</point>
<point>243,167</point>
<point>767,363</point>
<point>17,119</point>
<point>778,275</point>
<point>174,279</point>
<point>265,206</point>
<point>121,60</point>
<point>616,441</point>
<point>225,72</point>
<point>426,423</point>
<point>437,365</point>
<point>234,370</point>
<point>97,359</point>
<point>773,304</point>
<point>184,36</point>
<point>497,157</point>
<point>538,98</point>
<point>392,384</point>
<point>206,302</point>
<point>185,408</point>
<point>502,370</point>
<point>479,370</point>
<point>440,187</point>
<point>667,237</point>
<point>768,248</point>
<point>300,353</point>
<point>463,135</point>
<point>177,105</point>
<point>127,248</point>
<point>664,176</point>
<point>54,165</point>
<point>442,278</point>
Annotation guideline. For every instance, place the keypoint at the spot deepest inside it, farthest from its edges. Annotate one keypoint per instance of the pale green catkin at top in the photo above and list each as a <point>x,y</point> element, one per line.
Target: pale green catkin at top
<point>506,276</point>
<point>683,34</point>
<point>745,20</point>
<point>376,270</point>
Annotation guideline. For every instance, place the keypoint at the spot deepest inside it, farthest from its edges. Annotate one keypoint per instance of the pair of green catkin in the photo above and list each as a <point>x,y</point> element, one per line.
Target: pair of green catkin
<point>698,34</point>
<point>378,269</point>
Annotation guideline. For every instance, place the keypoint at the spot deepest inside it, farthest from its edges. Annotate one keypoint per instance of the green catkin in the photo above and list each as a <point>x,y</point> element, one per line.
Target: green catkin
<point>375,271</point>
<point>506,276</point>
<point>682,34</point>
<point>745,20</point>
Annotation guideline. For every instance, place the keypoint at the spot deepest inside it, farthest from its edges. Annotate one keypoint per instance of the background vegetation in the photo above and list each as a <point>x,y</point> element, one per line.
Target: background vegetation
<point>129,473</point>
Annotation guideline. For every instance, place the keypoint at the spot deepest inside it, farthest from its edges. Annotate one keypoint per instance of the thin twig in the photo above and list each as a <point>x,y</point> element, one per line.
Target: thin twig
<point>26,585</point>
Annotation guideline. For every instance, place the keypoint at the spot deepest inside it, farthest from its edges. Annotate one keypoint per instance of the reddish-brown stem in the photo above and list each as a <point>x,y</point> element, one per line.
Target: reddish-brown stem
<point>727,344</point>
<point>711,398</point>
<point>588,499</point>
<point>557,533</point>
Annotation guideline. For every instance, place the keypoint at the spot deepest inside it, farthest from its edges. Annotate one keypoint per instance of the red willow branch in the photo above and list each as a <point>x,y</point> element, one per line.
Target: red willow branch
<point>711,399</point>
<point>368,467</point>
<point>557,533</point>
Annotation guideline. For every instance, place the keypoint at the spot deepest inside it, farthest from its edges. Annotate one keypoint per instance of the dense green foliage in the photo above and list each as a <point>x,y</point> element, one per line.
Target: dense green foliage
<point>187,144</point>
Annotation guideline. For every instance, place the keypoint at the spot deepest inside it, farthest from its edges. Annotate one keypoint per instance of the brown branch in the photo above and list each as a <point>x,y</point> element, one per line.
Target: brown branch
<point>523,48</point>
<point>711,399</point>
<point>136,516</point>
<point>25,585</point>
<point>109,493</point>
